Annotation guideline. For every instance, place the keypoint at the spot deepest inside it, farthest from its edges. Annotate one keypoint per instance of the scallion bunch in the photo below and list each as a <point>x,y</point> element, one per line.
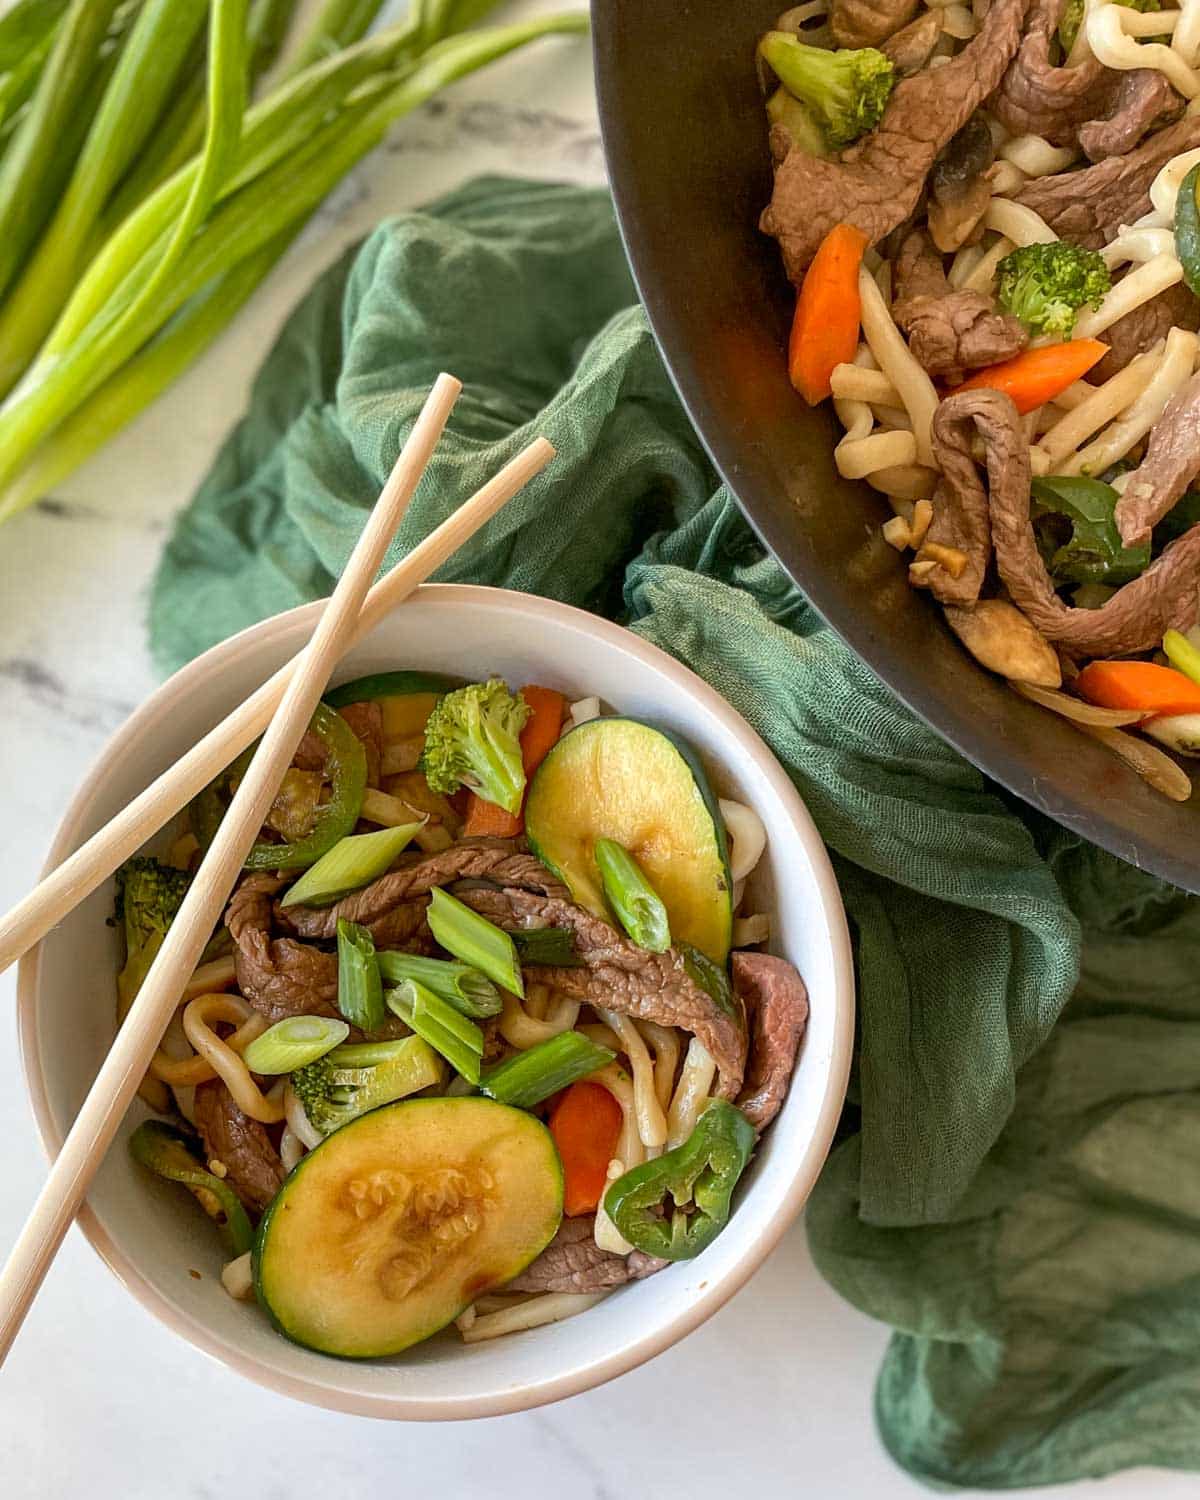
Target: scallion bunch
<point>145,192</point>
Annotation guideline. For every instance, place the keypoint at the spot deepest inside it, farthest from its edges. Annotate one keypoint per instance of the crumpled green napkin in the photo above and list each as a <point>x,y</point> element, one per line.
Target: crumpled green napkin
<point>1016,1189</point>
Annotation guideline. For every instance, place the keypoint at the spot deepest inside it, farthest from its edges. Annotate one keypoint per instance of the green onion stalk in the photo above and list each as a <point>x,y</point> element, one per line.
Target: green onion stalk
<point>533,1075</point>
<point>445,1029</point>
<point>466,989</point>
<point>475,940</point>
<point>264,189</point>
<point>360,989</point>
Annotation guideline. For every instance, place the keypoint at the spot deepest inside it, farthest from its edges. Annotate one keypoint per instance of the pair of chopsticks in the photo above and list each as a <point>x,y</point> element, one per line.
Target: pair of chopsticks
<point>282,707</point>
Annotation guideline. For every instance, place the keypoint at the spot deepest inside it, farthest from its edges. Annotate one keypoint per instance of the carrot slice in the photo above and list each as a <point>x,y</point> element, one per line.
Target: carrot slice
<point>1038,375</point>
<point>828,313</point>
<point>543,726</point>
<point>585,1124</point>
<point>1142,685</point>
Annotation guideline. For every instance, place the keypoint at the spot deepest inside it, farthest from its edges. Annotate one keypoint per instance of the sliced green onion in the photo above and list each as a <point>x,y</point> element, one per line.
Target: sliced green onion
<point>531,1076</point>
<point>551,946</point>
<point>370,1054</point>
<point>465,988</point>
<point>458,1040</point>
<point>360,991</point>
<point>1182,655</point>
<point>637,905</point>
<point>475,940</point>
<point>294,1043</point>
<point>353,862</point>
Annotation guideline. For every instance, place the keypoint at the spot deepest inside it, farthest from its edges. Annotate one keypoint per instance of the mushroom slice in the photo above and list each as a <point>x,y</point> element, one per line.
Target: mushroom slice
<point>1080,712</point>
<point>1000,638</point>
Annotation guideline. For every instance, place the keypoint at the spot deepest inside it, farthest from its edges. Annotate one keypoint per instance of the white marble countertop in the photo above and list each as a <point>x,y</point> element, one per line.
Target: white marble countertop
<point>97,1397</point>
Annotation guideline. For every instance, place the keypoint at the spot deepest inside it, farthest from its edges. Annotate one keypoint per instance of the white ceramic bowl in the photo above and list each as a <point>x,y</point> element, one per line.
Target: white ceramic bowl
<point>153,1241</point>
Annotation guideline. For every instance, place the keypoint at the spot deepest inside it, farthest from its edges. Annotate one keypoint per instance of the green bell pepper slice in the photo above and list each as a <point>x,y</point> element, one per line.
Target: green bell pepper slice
<point>703,1172</point>
<point>346,768</point>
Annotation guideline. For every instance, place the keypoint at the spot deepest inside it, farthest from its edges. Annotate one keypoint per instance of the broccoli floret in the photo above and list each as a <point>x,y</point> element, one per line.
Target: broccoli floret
<point>845,91</point>
<point>1046,285</point>
<point>472,740</point>
<point>148,896</point>
<point>348,1081</point>
<point>1072,18</point>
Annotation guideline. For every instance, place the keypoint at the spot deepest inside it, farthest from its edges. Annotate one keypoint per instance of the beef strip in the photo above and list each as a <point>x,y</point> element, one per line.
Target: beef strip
<point>866,23</point>
<point>949,332</point>
<point>253,1168</point>
<point>1166,596</point>
<point>499,861</point>
<point>910,49</point>
<point>877,183</point>
<point>617,975</point>
<point>366,720</point>
<point>278,976</point>
<point>1142,99</point>
<point>1172,461</point>
<point>1142,328</point>
<point>1089,206</point>
<point>573,1262</point>
<point>777,1002</point>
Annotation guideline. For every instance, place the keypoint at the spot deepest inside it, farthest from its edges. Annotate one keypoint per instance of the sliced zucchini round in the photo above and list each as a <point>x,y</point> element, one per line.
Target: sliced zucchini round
<point>622,779</point>
<point>397,1222</point>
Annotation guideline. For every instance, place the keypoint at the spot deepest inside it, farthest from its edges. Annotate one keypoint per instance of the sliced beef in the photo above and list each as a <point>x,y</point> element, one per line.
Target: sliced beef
<point>876,184</point>
<point>278,976</point>
<point>252,1163</point>
<point>1089,206</point>
<point>615,974</point>
<point>406,888</point>
<point>909,50</point>
<point>1171,463</point>
<point>949,332</point>
<point>777,1003</point>
<point>1142,99</point>
<point>866,23</point>
<point>573,1262</point>
<point>1141,329</point>
<point>1166,596</point>
<point>366,720</point>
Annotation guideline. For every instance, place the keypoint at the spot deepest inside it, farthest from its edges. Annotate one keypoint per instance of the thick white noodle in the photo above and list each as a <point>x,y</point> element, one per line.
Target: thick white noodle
<point>958,22</point>
<point>1139,243</point>
<point>550,1307</point>
<point>1006,179</point>
<point>651,1120</point>
<point>914,386</point>
<point>291,1148</point>
<point>747,834</point>
<point>691,1093</point>
<point>1101,406</point>
<point>1034,156</point>
<point>1017,223</point>
<point>981,278</point>
<point>1141,285</point>
<point>665,1043</point>
<point>892,418</point>
<point>522,1031</point>
<point>1185,39</point>
<point>237,1277</point>
<point>964,262</point>
<point>1112,31</point>
<point>298,1121</point>
<point>1174,368</point>
<point>1164,190</point>
<point>854,383</point>
<point>903,482</point>
<point>856,458</point>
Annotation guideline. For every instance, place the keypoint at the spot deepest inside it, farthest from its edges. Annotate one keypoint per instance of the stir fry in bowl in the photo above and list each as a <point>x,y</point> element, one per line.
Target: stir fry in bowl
<point>991,214</point>
<point>488,1029</point>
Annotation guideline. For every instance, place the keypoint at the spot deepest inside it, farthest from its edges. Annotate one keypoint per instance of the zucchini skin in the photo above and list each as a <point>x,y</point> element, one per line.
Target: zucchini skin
<point>389,685</point>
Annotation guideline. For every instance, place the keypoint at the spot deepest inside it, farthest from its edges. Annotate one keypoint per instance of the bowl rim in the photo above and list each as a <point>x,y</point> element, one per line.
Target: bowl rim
<point>202,670</point>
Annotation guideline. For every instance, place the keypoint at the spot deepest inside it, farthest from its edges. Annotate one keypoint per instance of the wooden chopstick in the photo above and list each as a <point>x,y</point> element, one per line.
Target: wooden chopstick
<point>117,1081</point>
<point>93,862</point>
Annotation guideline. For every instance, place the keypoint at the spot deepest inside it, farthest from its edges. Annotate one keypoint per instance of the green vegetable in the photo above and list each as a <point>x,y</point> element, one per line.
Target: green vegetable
<point>338,24</point>
<point>640,785</point>
<point>703,1173</point>
<point>1187,229</point>
<point>346,770</point>
<point>1073,517</point>
<point>465,988</point>
<point>1072,18</point>
<point>1046,285</point>
<point>149,63</point>
<point>713,980</point>
<point>446,1030</point>
<point>472,739</point>
<point>797,119</point>
<point>475,940</point>
<point>552,946</point>
<point>631,896</point>
<point>347,1082</point>
<point>250,190</point>
<point>294,1043</point>
<point>360,989</point>
<point>1182,654</point>
<point>27,35</point>
<point>846,90</point>
<point>1179,732</point>
<point>388,685</point>
<point>167,1152</point>
<point>389,1229</point>
<point>533,1075</point>
<point>148,896</point>
<point>353,862</point>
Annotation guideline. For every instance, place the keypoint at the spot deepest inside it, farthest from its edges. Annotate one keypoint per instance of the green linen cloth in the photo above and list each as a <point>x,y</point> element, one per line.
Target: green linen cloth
<point>1016,1187</point>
